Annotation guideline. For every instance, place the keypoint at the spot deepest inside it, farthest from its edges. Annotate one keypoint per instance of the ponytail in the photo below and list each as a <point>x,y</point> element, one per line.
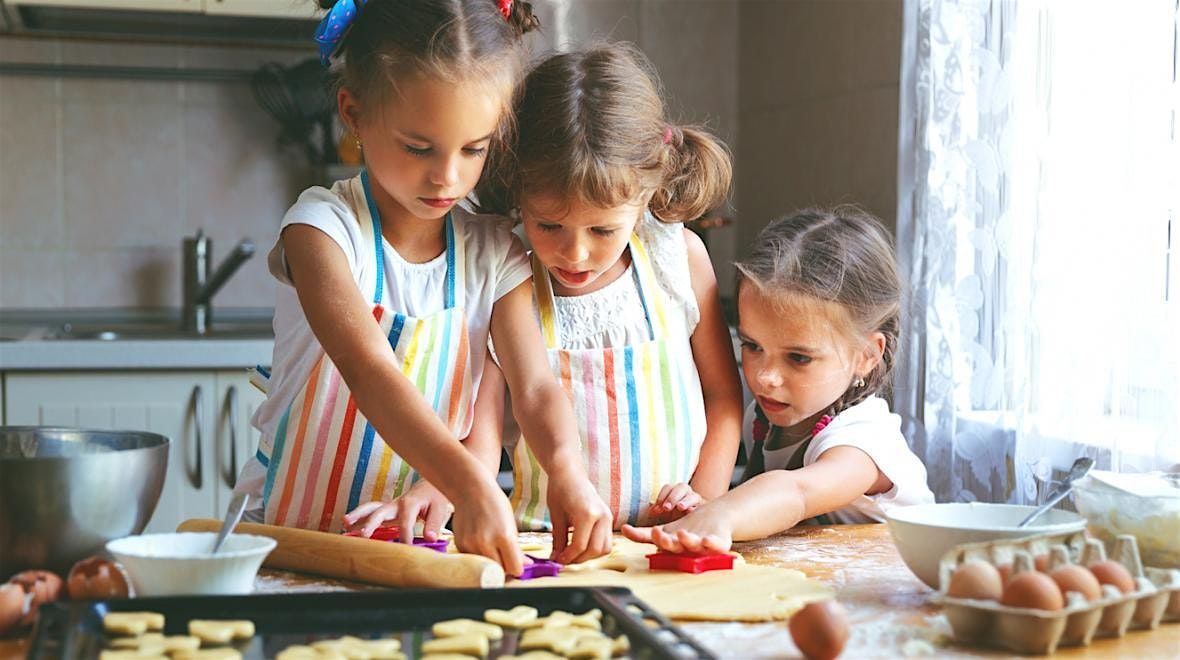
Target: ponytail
<point>697,177</point>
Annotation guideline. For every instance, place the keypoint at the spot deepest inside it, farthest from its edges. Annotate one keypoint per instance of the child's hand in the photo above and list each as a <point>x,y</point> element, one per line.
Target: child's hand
<point>483,525</point>
<point>705,530</point>
<point>675,500</point>
<point>421,502</point>
<point>573,502</point>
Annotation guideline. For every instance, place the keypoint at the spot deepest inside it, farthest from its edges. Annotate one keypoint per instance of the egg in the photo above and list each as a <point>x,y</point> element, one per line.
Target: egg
<point>1041,562</point>
<point>44,586</point>
<point>975,579</point>
<point>1109,571</point>
<point>820,630</point>
<point>96,578</point>
<point>12,606</point>
<point>1071,577</point>
<point>1033,590</point>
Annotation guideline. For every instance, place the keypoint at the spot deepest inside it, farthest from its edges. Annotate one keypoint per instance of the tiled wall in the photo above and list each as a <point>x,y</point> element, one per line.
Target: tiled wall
<point>818,106</point>
<point>101,178</point>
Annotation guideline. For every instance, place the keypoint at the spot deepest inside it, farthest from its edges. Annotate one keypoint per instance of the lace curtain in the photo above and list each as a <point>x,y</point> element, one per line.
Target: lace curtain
<point>1040,182</point>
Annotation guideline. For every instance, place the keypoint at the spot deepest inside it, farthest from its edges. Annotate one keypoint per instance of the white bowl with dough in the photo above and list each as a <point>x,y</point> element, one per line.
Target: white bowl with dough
<point>181,563</point>
<point>923,533</point>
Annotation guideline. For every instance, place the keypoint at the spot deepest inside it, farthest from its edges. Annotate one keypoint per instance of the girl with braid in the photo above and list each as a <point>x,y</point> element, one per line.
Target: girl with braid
<point>819,301</point>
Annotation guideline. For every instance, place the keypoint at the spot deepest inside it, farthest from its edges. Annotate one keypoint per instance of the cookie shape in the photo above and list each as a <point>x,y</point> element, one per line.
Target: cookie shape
<point>209,654</point>
<point>214,631</point>
<point>470,644</point>
<point>520,616</point>
<point>132,623</point>
<point>460,627</point>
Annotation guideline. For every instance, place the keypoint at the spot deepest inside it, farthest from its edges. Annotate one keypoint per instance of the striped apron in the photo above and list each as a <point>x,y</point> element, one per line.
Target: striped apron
<point>326,458</point>
<point>639,408</point>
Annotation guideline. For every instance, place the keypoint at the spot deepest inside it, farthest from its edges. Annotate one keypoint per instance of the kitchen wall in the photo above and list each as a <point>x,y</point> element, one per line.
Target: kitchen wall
<point>818,107</point>
<point>100,179</point>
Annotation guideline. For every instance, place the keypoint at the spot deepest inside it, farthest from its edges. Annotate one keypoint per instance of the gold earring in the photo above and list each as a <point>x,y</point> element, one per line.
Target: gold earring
<point>349,149</point>
<point>860,382</point>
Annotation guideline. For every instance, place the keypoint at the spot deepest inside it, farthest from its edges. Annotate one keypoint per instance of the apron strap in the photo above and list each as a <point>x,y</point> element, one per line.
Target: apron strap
<point>546,308</point>
<point>370,225</point>
<point>650,293</point>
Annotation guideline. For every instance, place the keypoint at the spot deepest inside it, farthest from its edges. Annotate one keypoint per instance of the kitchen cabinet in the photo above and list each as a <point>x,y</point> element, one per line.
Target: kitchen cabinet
<point>206,414</point>
<point>271,8</point>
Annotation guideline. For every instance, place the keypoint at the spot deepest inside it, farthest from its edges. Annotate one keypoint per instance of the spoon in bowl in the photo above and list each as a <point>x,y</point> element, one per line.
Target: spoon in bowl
<point>233,513</point>
<point>1078,470</point>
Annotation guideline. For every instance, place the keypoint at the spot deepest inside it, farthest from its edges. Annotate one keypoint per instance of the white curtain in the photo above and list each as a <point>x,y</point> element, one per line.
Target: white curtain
<point>1038,220</point>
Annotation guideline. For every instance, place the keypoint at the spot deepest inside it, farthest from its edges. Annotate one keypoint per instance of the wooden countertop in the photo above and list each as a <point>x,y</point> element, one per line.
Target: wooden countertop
<point>890,610</point>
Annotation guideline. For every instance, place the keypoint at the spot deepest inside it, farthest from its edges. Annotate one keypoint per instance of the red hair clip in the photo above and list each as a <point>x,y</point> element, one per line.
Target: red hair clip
<point>505,8</point>
<point>668,135</point>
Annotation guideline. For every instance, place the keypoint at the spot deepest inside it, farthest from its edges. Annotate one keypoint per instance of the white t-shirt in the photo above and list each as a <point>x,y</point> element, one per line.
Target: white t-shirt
<point>496,264</point>
<point>872,428</point>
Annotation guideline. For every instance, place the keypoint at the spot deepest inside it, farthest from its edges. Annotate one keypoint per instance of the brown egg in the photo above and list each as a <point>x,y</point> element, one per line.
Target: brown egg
<point>1033,590</point>
<point>1071,577</point>
<point>1109,571</point>
<point>97,578</point>
<point>820,630</point>
<point>1041,562</point>
<point>12,606</point>
<point>975,579</point>
<point>45,587</point>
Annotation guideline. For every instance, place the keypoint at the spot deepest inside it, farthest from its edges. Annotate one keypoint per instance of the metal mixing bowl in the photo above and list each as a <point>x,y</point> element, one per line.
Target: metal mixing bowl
<point>65,492</point>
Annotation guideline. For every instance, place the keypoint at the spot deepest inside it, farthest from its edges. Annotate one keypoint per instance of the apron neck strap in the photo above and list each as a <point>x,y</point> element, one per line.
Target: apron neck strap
<point>645,283</point>
<point>370,225</point>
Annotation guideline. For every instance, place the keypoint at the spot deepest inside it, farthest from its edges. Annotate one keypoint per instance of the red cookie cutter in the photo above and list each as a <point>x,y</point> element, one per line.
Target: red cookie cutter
<point>689,563</point>
<point>392,533</point>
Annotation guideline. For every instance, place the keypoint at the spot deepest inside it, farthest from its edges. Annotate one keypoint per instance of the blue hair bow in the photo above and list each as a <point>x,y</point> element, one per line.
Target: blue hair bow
<point>335,24</point>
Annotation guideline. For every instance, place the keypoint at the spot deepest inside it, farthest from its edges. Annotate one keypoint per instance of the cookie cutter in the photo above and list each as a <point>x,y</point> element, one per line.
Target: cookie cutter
<point>688,562</point>
<point>539,568</point>
<point>392,533</point>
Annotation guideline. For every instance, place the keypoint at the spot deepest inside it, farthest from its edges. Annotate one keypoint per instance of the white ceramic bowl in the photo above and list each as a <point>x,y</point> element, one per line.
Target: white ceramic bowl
<point>180,563</point>
<point>923,533</point>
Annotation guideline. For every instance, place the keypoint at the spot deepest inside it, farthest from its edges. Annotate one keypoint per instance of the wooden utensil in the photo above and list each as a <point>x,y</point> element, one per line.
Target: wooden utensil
<point>365,560</point>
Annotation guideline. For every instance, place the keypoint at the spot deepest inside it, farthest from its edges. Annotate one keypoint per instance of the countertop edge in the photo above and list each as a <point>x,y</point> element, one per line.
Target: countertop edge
<point>61,355</point>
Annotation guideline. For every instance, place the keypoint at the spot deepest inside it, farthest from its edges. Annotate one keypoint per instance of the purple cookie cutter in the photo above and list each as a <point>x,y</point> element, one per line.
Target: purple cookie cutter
<point>539,568</point>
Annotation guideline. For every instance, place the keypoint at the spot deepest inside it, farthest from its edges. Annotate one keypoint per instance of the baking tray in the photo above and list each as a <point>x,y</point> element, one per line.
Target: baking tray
<point>71,630</point>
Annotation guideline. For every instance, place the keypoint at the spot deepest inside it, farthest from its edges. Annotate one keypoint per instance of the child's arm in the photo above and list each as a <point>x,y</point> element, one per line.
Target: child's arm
<point>423,500</point>
<point>769,503</point>
<point>342,321</point>
<point>546,421</point>
<point>712,350</point>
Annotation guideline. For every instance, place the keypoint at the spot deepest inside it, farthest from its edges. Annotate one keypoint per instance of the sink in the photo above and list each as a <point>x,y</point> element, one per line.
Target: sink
<point>259,329</point>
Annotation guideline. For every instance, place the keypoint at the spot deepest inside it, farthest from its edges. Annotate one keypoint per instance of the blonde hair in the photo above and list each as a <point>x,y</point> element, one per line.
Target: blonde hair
<point>591,126</point>
<point>449,40</point>
<point>842,256</point>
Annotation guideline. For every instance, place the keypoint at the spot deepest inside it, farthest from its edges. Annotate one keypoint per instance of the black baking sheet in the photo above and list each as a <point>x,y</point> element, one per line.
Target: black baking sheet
<point>74,629</point>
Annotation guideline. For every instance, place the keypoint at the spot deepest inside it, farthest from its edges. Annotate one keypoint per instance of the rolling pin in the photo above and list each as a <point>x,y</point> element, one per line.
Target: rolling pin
<point>364,560</point>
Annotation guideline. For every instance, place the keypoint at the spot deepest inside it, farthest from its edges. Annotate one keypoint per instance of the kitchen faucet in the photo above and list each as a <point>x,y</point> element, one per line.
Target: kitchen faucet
<point>199,285</point>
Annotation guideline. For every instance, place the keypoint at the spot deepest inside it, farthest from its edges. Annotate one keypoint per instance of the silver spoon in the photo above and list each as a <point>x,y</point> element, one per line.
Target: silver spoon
<point>1078,470</point>
<point>233,513</point>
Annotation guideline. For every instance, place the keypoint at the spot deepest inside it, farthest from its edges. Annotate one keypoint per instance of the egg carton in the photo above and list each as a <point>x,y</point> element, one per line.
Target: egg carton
<point>1156,596</point>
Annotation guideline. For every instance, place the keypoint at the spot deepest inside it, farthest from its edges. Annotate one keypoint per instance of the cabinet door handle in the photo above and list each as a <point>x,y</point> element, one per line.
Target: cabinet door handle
<point>197,408</point>
<point>230,410</point>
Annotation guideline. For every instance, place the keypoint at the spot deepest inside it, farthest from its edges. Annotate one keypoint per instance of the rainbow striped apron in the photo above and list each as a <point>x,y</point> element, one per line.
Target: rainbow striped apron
<point>639,408</point>
<point>326,458</point>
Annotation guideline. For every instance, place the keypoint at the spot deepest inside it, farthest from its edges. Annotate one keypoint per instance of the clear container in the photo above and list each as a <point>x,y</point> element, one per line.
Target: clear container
<point>1145,505</point>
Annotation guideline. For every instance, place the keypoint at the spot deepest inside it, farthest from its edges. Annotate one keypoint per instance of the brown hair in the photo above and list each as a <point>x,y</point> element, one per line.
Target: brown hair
<point>453,40</point>
<point>591,125</point>
<point>842,256</point>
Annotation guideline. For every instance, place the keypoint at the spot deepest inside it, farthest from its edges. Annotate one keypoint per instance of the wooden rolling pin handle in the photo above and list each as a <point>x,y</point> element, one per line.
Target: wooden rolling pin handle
<point>364,560</point>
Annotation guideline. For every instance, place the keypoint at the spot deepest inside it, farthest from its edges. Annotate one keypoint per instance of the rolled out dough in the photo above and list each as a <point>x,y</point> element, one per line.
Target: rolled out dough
<point>746,593</point>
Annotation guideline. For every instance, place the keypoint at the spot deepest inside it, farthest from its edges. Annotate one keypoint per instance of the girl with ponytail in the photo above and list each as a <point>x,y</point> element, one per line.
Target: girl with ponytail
<point>626,297</point>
